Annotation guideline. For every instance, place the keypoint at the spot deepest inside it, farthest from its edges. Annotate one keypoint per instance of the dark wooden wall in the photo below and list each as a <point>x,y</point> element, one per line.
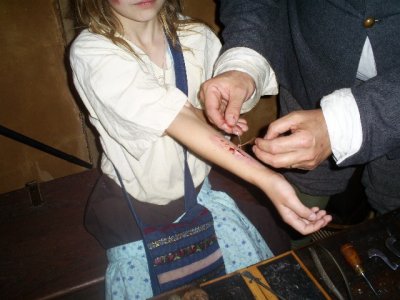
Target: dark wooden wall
<point>36,98</point>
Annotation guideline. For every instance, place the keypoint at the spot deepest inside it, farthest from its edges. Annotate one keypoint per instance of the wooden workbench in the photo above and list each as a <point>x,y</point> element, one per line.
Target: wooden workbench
<point>293,275</point>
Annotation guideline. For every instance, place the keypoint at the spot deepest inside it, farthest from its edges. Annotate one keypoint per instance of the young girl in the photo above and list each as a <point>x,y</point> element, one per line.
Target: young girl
<point>127,66</point>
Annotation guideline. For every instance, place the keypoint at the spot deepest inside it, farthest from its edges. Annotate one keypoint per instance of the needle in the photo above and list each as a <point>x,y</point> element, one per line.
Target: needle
<point>240,141</point>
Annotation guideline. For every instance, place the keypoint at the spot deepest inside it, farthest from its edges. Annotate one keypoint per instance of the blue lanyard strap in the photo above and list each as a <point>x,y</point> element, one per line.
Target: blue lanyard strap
<point>179,66</point>
<point>181,83</point>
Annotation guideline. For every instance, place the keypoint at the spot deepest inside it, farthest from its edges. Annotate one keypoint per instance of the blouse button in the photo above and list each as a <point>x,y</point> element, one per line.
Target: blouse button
<point>369,22</point>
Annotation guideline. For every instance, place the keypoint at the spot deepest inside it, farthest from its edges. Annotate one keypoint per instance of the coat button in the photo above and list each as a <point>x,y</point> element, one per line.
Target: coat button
<point>369,22</point>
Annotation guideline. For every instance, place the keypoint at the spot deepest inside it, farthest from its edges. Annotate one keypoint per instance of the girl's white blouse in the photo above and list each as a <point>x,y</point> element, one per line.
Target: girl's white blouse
<point>131,109</point>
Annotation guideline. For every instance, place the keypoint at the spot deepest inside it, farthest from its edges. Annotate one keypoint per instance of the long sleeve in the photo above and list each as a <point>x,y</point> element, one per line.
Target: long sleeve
<point>378,100</point>
<point>249,61</point>
<point>342,118</point>
<point>249,24</point>
<point>363,120</point>
<point>122,94</point>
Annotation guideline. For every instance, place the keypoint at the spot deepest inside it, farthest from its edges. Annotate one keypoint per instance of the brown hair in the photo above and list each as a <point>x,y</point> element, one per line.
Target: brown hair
<point>97,16</point>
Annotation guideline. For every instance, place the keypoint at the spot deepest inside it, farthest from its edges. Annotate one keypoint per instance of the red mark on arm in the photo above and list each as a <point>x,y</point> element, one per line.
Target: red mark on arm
<point>232,148</point>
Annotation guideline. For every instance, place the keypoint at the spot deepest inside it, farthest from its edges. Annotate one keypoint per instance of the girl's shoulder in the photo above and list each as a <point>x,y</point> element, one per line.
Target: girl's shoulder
<point>87,38</point>
<point>197,32</point>
<point>195,27</point>
<point>88,44</point>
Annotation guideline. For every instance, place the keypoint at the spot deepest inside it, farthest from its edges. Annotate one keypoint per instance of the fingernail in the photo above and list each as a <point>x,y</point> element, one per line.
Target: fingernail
<point>231,119</point>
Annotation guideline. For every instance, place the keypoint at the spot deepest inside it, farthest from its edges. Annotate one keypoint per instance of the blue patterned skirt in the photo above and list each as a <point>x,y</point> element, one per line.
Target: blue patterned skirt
<point>127,275</point>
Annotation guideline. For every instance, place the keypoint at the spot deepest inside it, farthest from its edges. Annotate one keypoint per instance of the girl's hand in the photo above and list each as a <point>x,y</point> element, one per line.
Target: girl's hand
<point>305,220</point>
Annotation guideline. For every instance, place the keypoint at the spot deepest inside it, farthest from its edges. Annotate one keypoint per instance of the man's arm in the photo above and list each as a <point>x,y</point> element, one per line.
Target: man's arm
<point>242,72</point>
<point>358,124</point>
<point>378,102</point>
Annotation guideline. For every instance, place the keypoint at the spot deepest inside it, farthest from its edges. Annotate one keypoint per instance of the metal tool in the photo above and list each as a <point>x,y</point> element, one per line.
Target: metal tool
<point>240,141</point>
<point>378,253</point>
<point>390,241</point>
<point>324,275</point>
<point>257,280</point>
<point>345,279</point>
<point>351,256</point>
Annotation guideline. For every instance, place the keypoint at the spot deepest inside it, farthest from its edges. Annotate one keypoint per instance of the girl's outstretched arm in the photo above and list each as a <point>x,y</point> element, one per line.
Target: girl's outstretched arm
<point>192,130</point>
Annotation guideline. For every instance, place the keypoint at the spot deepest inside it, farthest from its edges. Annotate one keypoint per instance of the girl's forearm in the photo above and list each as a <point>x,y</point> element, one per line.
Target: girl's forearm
<point>202,139</point>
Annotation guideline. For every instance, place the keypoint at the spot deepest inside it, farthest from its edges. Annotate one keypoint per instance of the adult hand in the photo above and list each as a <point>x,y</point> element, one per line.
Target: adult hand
<point>223,97</point>
<point>297,140</point>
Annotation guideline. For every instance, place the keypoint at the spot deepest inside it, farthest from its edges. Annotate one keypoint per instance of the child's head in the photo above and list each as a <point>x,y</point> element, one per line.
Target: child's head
<point>100,17</point>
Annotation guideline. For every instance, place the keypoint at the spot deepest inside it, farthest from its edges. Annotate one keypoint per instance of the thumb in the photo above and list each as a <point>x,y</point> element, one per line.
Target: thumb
<point>232,112</point>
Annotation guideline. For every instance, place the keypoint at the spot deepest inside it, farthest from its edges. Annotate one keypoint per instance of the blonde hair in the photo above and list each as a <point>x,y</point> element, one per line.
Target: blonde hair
<point>97,16</point>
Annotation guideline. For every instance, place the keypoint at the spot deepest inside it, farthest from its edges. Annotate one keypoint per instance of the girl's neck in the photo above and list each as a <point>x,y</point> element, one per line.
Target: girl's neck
<point>148,36</point>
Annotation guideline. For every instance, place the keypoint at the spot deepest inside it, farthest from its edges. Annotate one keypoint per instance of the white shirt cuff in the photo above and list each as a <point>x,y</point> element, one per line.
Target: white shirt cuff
<point>251,62</point>
<point>344,124</point>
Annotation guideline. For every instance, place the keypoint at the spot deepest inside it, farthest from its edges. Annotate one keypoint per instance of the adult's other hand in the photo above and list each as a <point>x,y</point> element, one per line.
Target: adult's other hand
<point>297,140</point>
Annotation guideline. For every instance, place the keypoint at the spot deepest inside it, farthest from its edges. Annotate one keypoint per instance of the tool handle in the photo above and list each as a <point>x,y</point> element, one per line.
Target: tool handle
<point>351,256</point>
